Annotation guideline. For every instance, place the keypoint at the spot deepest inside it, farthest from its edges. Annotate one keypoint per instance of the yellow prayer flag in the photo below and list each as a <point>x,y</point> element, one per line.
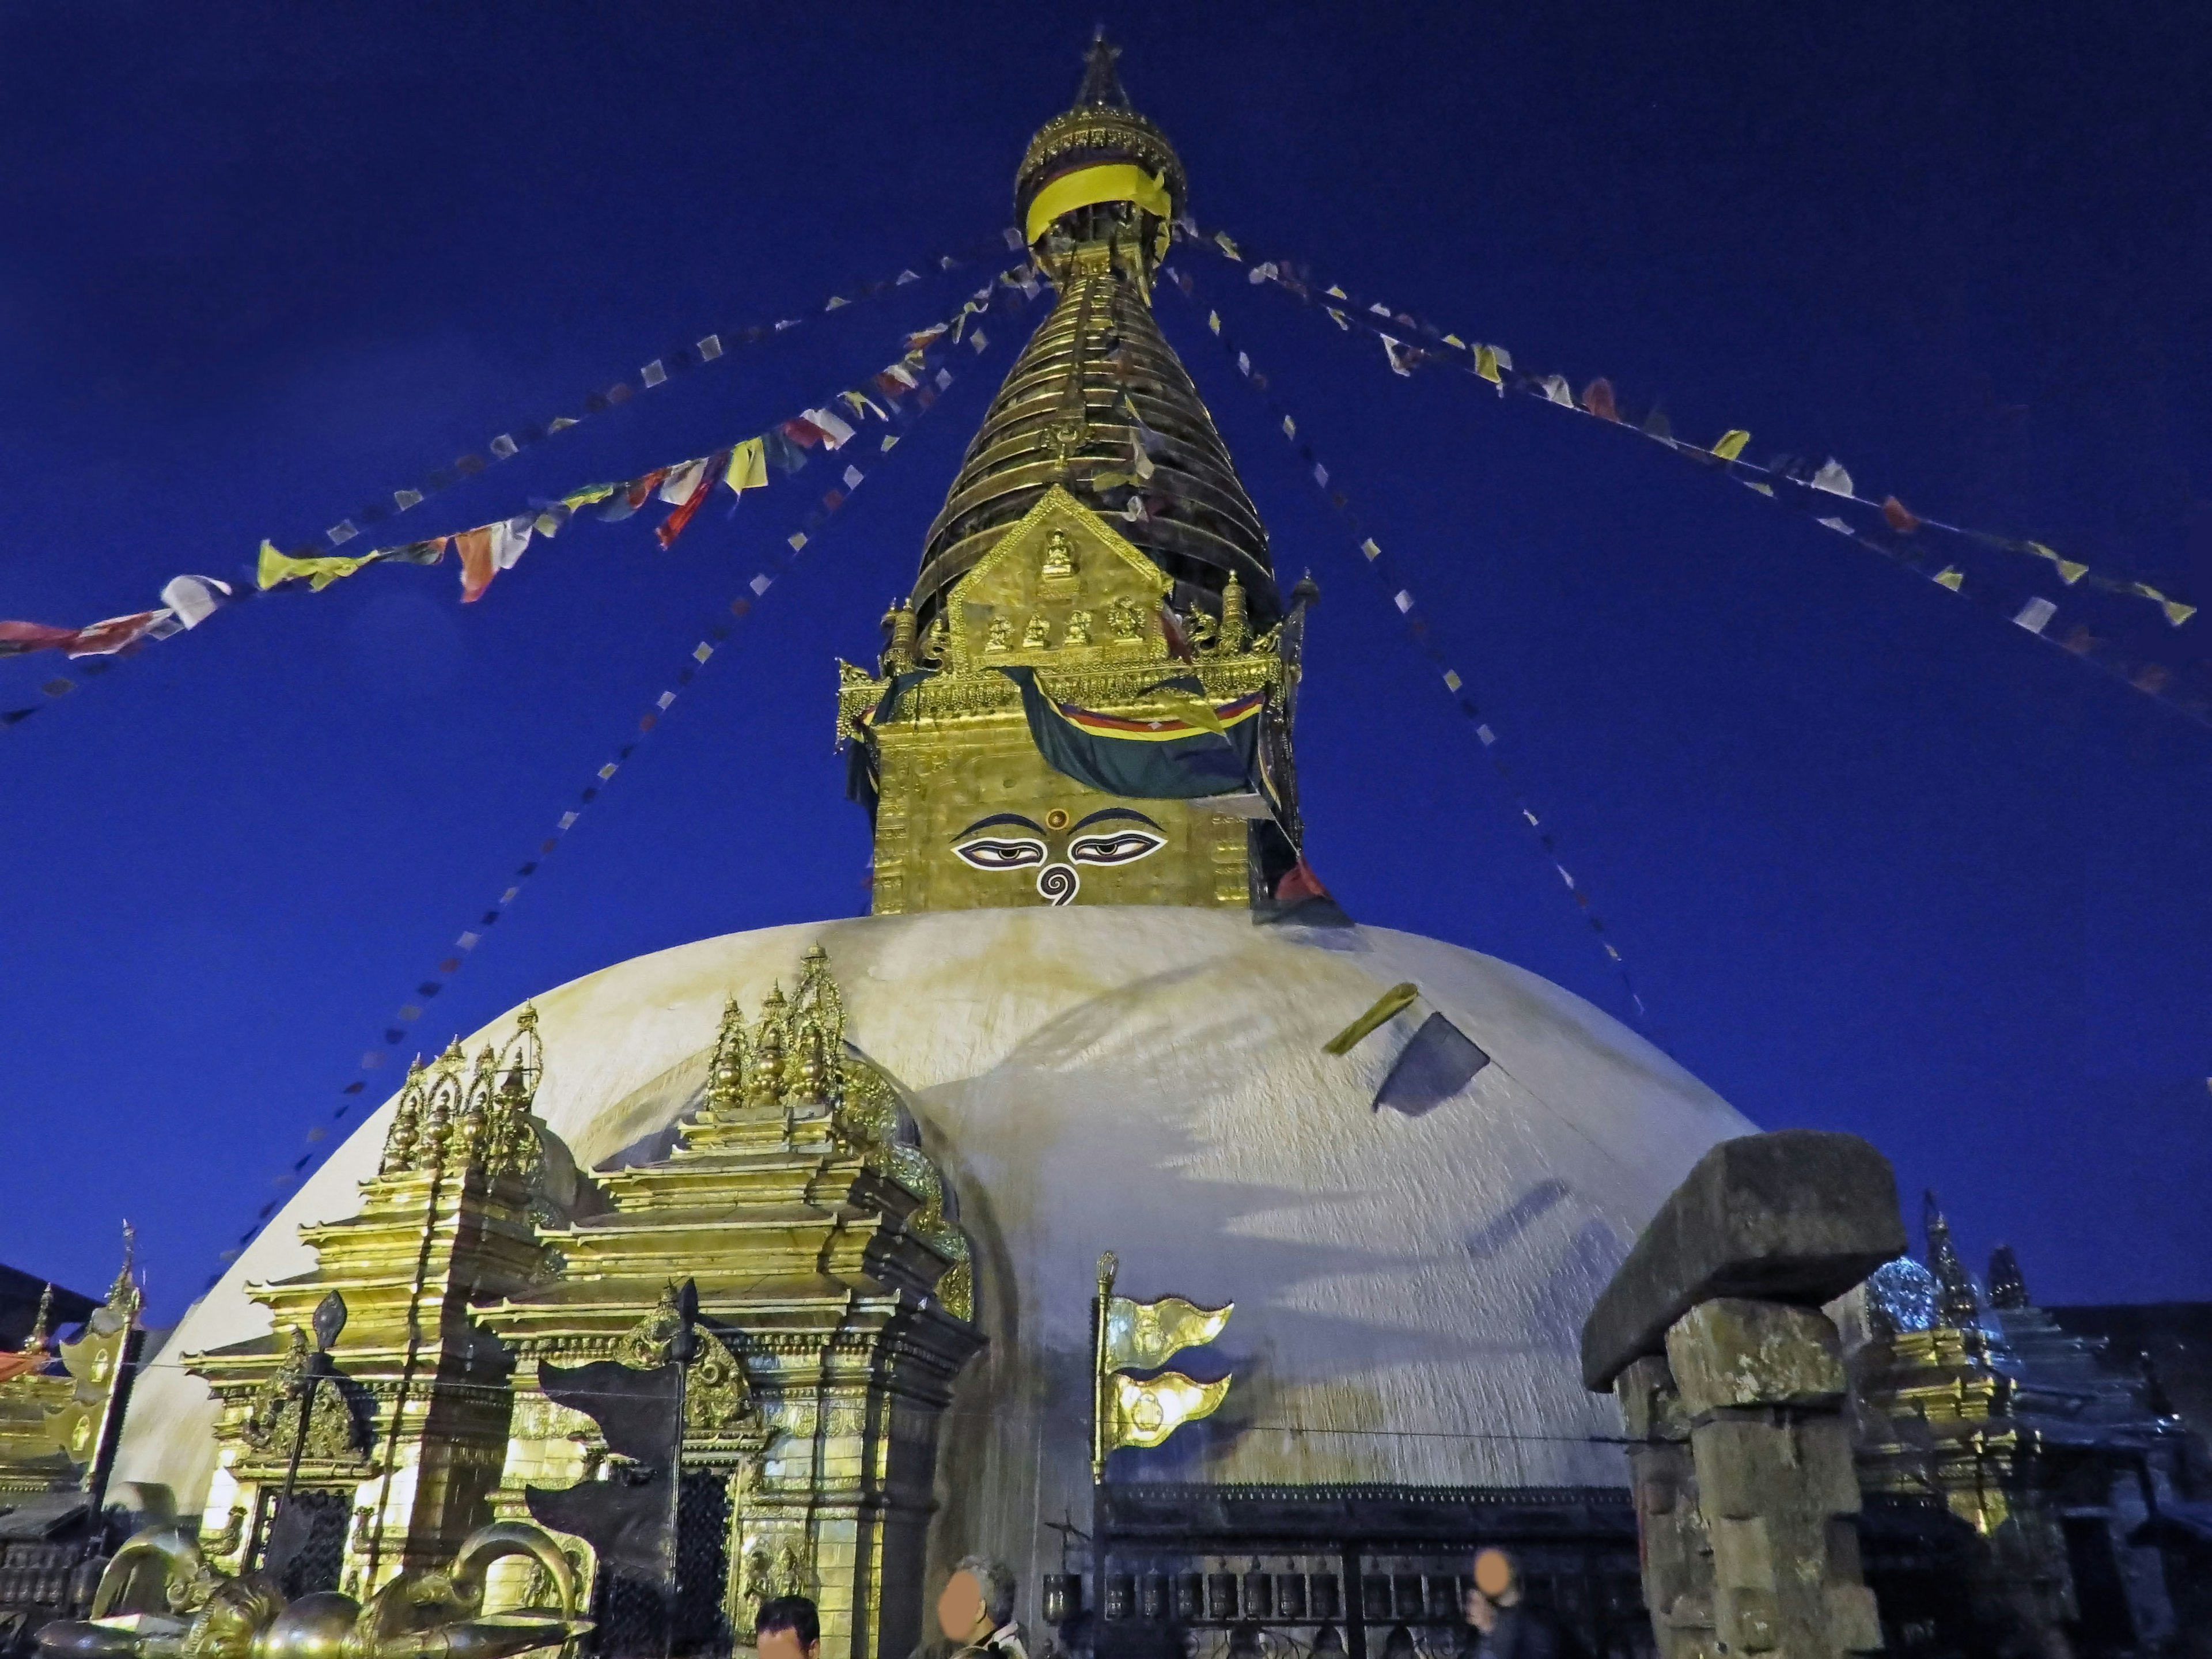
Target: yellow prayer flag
<point>1143,1335</point>
<point>2068,571</point>
<point>1485,365</point>
<point>276,567</point>
<point>1730,444</point>
<point>587,495</point>
<point>1146,1413</point>
<point>748,467</point>
<point>1393,1002</point>
<point>2176,613</point>
<point>1454,340</point>
<point>1950,576</point>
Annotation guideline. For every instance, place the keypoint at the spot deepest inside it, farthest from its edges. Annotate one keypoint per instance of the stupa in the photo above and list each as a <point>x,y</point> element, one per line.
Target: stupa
<point>1088,1012</point>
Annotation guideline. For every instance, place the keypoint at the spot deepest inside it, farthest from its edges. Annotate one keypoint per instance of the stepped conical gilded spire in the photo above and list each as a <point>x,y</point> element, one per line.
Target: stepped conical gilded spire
<point>1097,402</point>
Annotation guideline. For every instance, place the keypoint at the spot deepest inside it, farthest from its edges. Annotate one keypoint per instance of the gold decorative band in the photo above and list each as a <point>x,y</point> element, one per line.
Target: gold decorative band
<point>1109,181</point>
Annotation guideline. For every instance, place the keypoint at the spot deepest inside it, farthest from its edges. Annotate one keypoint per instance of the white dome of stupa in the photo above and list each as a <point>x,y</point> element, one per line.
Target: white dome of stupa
<point>1409,1291</point>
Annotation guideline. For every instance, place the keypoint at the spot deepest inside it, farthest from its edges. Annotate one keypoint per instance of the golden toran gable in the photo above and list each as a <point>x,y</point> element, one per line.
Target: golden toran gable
<point>1063,594</point>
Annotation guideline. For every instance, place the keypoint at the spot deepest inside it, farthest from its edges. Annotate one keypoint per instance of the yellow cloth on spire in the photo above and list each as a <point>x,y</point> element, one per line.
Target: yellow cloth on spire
<point>275,568</point>
<point>1109,181</point>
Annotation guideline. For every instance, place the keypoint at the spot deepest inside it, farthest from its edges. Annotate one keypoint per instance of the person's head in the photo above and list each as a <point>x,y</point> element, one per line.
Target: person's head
<point>787,1627</point>
<point>1497,1584</point>
<point>978,1598</point>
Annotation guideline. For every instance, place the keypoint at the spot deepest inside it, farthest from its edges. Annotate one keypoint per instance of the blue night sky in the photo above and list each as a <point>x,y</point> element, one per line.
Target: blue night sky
<point>1876,861</point>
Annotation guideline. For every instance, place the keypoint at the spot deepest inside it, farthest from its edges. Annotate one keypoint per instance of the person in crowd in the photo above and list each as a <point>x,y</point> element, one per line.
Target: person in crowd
<point>976,1611</point>
<point>788,1627</point>
<point>1504,1624</point>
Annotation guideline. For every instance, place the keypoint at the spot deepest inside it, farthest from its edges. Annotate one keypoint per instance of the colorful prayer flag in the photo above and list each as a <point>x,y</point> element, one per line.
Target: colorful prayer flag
<point>275,568</point>
<point>748,468</point>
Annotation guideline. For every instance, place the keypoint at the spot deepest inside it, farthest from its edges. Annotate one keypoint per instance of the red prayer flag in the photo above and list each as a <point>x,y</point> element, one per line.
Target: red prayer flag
<point>105,639</point>
<point>672,525</point>
<point>805,434</point>
<point>1900,517</point>
<point>19,638</point>
<point>1299,882</point>
<point>477,566</point>
<point>1597,398</point>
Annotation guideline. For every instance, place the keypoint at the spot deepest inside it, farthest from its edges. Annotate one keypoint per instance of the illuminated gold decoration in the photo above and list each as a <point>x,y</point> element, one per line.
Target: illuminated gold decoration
<point>956,752</point>
<point>1140,1335</point>
<point>1097,525</point>
<point>194,1610</point>
<point>1143,1411</point>
<point>410,1419</point>
<point>57,1431</point>
<point>1146,1413</point>
<point>835,1306</point>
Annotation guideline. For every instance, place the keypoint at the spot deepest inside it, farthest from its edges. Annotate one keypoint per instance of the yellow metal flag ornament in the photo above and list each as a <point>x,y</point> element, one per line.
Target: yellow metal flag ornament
<point>1145,1413</point>
<point>1143,1335</point>
<point>1129,1410</point>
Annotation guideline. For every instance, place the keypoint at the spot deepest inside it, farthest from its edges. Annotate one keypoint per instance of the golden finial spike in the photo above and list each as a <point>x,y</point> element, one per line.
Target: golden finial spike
<point>36,1341</point>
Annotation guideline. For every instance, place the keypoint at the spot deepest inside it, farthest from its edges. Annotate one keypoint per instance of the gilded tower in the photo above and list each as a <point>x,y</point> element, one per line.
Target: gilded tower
<point>1087,697</point>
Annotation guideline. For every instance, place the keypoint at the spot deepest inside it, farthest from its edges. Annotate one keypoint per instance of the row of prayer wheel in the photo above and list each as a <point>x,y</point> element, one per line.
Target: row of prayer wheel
<point>1280,1598</point>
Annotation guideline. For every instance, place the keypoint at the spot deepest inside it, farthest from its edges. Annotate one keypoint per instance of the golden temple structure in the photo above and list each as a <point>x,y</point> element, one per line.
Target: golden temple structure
<point>1098,581</point>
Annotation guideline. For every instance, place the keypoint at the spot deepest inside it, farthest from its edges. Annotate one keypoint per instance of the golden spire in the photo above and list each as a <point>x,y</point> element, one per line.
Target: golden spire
<point>36,1341</point>
<point>1097,192</point>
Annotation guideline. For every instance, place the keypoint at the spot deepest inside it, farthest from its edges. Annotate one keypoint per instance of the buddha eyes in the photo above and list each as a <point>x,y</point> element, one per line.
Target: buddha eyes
<point>1121,846</point>
<point>1001,854</point>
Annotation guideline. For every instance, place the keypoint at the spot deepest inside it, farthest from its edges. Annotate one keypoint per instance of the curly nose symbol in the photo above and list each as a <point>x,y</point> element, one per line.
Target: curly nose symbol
<point>1057,883</point>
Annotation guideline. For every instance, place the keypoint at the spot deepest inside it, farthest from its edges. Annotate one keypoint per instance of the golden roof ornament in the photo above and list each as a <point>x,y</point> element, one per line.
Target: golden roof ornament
<point>36,1341</point>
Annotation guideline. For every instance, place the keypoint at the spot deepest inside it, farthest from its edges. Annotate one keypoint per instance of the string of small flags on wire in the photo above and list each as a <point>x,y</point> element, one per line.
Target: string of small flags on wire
<point>932,379</point>
<point>1419,628</point>
<point>486,549</point>
<point>1823,493</point>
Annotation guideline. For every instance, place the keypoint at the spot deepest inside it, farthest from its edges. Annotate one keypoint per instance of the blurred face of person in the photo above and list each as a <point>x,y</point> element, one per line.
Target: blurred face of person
<point>960,1609</point>
<point>784,1644</point>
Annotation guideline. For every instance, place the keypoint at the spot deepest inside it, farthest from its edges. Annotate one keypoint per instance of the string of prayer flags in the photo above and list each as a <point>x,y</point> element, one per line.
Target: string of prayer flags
<point>708,347</point>
<point>1418,627</point>
<point>486,549</point>
<point>465,944</point>
<point>1494,364</point>
<point>274,568</point>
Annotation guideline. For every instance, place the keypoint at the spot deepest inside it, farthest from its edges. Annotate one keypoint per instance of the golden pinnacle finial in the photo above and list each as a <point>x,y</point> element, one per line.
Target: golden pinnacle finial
<point>527,1019</point>
<point>36,1341</point>
<point>123,1295</point>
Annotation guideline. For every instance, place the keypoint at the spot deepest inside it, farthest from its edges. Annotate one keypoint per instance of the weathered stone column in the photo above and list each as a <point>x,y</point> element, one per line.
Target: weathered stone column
<point>1712,1325</point>
<point>1676,1549</point>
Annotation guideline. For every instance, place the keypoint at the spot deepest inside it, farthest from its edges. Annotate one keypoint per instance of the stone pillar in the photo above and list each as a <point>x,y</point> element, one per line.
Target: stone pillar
<point>1676,1549</point>
<point>1762,1383</point>
<point>1711,1333</point>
